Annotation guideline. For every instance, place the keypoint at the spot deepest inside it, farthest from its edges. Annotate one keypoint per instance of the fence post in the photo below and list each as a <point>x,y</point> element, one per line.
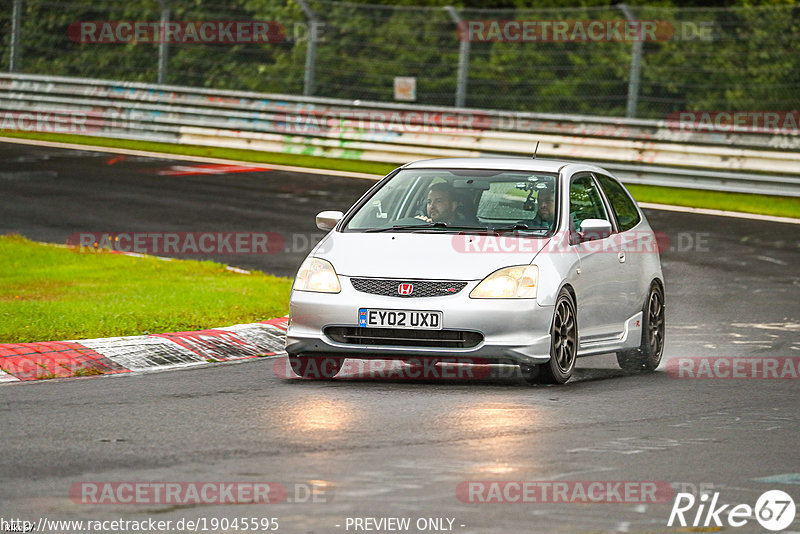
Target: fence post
<point>163,45</point>
<point>311,49</point>
<point>16,23</point>
<point>463,58</point>
<point>636,67</point>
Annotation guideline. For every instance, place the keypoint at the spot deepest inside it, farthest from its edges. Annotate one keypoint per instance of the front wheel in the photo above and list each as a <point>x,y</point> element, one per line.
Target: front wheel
<point>315,368</point>
<point>563,345</point>
<point>648,355</point>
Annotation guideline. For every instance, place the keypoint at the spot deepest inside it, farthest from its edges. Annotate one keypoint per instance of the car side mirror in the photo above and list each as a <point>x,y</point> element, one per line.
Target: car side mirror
<point>326,220</point>
<point>592,229</point>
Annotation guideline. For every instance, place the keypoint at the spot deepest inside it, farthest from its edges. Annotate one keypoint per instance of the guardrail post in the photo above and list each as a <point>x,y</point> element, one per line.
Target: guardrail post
<point>463,59</point>
<point>163,45</point>
<point>636,67</point>
<point>311,49</point>
<point>16,24</point>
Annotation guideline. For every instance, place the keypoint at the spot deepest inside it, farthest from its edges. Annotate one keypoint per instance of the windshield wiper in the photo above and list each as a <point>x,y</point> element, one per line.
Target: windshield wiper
<point>407,227</point>
<point>427,226</point>
<point>518,226</point>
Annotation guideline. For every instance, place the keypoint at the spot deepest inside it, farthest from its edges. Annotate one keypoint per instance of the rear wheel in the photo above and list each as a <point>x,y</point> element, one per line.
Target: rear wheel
<point>648,355</point>
<point>563,345</point>
<point>315,368</point>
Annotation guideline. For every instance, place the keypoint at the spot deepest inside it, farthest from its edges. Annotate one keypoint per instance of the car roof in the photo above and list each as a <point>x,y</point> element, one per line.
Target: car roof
<point>502,163</point>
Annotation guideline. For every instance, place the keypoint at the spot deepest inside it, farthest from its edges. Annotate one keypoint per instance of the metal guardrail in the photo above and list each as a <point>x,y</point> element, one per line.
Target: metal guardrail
<point>637,151</point>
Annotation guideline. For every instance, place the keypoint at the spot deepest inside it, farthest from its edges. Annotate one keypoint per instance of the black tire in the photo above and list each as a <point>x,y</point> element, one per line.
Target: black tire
<point>315,368</point>
<point>648,355</point>
<point>563,345</point>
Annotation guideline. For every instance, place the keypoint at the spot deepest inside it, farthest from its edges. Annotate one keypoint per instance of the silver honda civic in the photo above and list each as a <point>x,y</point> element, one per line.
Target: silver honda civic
<point>527,262</point>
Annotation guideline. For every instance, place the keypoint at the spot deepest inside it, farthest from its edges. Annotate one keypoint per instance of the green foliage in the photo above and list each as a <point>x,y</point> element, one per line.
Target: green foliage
<point>747,59</point>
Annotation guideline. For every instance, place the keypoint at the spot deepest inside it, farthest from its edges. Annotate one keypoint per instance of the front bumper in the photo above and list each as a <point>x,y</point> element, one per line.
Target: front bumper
<point>514,330</point>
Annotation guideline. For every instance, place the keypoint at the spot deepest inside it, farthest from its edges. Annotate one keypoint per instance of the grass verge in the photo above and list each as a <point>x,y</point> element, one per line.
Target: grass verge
<point>695,198</point>
<point>55,293</point>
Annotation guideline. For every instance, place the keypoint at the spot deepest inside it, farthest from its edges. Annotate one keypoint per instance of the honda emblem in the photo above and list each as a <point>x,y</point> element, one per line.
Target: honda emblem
<point>405,289</point>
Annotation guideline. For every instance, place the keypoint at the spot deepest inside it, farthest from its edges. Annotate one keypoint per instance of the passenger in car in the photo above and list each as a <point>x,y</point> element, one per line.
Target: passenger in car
<point>545,213</point>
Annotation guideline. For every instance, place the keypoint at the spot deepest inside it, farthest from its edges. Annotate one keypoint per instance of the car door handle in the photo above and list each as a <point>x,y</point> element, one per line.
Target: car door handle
<point>621,257</point>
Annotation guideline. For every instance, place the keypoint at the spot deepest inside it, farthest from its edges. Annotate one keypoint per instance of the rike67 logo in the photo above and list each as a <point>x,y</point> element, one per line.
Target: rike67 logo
<point>774,510</point>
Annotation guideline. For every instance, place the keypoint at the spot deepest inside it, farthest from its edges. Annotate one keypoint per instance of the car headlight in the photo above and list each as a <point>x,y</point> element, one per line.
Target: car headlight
<point>518,282</point>
<point>317,275</point>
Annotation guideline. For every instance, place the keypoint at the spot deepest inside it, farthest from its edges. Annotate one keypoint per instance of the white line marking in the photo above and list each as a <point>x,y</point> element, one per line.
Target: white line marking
<point>5,377</point>
<point>785,478</point>
<point>771,260</point>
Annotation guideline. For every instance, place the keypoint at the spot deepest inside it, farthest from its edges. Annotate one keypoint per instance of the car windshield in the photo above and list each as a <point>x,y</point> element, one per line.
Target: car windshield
<point>454,200</point>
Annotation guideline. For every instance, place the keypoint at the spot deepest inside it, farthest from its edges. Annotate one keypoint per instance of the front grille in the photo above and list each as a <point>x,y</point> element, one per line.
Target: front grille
<point>397,337</point>
<point>421,288</point>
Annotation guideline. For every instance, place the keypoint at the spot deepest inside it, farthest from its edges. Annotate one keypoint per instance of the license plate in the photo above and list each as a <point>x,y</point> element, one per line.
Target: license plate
<point>422,320</point>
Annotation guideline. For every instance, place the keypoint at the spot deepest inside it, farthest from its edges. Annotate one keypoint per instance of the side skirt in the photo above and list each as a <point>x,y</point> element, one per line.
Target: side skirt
<point>630,338</point>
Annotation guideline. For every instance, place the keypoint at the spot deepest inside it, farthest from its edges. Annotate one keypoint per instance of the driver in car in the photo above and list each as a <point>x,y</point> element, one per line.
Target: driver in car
<point>441,205</point>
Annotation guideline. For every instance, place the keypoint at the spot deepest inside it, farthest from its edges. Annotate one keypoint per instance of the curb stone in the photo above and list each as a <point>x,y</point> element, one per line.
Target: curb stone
<point>130,354</point>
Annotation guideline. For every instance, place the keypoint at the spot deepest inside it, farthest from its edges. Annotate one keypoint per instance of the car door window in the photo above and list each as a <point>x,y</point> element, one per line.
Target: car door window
<point>585,201</point>
<point>624,208</point>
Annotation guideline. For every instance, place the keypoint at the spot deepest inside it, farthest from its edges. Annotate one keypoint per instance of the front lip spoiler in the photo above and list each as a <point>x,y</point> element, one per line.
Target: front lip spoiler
<point>483,354</point>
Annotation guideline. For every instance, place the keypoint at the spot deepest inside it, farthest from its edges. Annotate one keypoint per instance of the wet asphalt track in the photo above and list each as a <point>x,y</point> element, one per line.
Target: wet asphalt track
<point>393,448</point>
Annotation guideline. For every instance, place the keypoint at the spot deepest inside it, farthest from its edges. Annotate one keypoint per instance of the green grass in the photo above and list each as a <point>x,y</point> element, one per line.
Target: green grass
<point>696,198</point>
<point>55,293</point>
<point>86,371</point>
<point>748,203</point>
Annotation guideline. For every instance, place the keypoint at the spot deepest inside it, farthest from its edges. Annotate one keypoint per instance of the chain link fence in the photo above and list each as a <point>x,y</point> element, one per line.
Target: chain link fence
<point>555,60</point>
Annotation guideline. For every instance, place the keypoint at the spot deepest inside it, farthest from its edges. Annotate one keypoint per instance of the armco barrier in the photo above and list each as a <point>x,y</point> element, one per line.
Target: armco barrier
<point>638,151</point>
